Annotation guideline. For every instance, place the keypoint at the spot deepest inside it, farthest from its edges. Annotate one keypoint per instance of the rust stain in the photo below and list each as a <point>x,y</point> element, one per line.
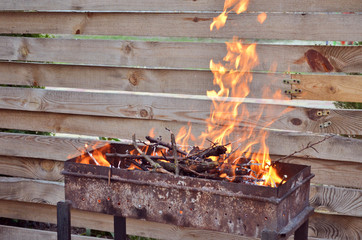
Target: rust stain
<point>316,61</point>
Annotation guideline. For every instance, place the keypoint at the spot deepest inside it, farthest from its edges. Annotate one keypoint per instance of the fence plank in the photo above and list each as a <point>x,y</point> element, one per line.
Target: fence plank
<point>346,88</point>
<point>18,233</point>
<point>337,200</point>
<point>327,226</point>
<point>128,79</point>
<point>277,25</point>
<point>57,148</point>
<point>324,169</point>
<point>26,190</point>
<point>190,108</point>
<point>180,55</point>
<point>182,5</point>
<point>31,168</point>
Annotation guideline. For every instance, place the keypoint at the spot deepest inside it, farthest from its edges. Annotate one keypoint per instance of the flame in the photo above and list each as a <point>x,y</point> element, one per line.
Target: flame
<point>262,17</point>
<point>229,5</point>
<point>183,136</point>
<point>233,77</point>
<point>94,155</point>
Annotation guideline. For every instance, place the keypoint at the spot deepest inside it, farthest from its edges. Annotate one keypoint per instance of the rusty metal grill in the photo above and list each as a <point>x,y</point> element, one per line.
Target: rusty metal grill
<point>243,209</point>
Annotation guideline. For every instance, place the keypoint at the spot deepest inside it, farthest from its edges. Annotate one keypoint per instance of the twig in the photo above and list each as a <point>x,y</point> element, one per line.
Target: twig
<point>309,145</point>
<point>149,160</point>
<point>169,146</point>
<point>86,150</point>
<point>174,150</point>
<point>133,156</point>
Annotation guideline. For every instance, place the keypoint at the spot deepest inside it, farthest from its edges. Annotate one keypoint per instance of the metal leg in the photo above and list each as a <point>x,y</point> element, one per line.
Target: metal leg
<point>120,228</point>
<point>302,232</point>
<point>63,220</point>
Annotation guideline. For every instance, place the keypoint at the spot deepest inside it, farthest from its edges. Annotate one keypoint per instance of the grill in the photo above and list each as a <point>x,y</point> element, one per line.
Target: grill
<point>237,208</point>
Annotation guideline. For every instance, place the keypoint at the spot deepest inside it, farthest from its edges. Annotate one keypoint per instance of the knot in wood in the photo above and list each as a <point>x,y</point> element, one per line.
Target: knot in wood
<point>296,121</point>
<point>24,51</point>
<point>144,113</point>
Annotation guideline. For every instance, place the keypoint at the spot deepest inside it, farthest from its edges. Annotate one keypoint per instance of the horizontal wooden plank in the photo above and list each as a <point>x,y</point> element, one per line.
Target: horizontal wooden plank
<point>31,168</point>
<point>327,226</point>
<point>57,148</point>
<point>180,55</point>
<point>47,213</point>
<point>277,25</point>
<point>343,227</point>
<point>18,233</point>
<point>285,115</point>
<point>26,190</point>
<point>347,88</point>
<point>337,200</point>
<point>182,5</point>
<point>331,172</point>
<point>128,79</point>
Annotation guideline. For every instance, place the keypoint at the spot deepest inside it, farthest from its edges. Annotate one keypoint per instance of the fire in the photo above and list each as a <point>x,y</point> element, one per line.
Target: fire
<point>261,17</point>
<point>94,155</point>
<point>228,113</point>
<point>229,5</point>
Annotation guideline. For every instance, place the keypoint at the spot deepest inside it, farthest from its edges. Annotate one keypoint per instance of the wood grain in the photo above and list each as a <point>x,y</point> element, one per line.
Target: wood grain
<point>26,190</point>
<point>128,79</point>
<point>277,25</point>
<point>321,225</point>
<point>18,233</point>
<point>337,173</point>
<point>337,200</point>
<point>347,88</point>
<point>284,115</point>
<point>327,226</point>
<point>279,142</point>
<point>179,55</point>
<point>98,221</point>
<point>31,168</point>
<point>182,5</point>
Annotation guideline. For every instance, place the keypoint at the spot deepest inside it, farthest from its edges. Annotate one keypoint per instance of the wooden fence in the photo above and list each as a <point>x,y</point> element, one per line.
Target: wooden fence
<point>156,77</point>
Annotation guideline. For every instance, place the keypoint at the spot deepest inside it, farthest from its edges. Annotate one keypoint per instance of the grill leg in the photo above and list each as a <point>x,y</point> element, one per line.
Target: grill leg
<point>120,228</point>
<point>63,220</point>
<point>302,232</point>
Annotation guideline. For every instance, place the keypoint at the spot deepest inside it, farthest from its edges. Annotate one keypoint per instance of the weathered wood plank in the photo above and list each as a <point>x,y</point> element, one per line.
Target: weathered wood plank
<point>182,5</point>
<point>347,88</point>
<point>27,190</point>
<point>128,79</point>
<point>180,55</point>
<point>285,115</point>
<point>327,226</point>
<point>337,200</point>
<point>58,148</point>
<point>324,169</point>
<point>18,233</point>
<point>98,221</point>
<point>341,226</point>
<point>277,25</point>
<point>31,168</point>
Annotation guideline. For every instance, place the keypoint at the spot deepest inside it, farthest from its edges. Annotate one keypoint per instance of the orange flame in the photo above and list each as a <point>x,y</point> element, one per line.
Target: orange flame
<point>97,156</point>
<point>262,17</point>
<point>229,5</point>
